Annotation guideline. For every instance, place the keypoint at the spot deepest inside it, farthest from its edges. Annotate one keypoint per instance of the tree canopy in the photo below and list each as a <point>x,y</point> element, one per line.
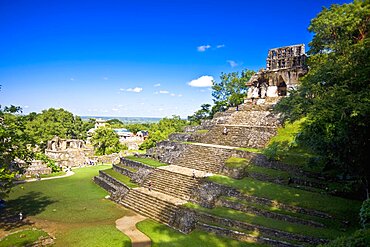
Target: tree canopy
<point>335,94</point>
<point>229,91</point>
<point>161,130</point>
<point>106,141</point>
<point>56,122</point>
<point>15,145</point>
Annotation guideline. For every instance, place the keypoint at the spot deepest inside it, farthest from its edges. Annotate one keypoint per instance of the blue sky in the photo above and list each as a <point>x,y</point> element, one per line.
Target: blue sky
<point>137,58</point>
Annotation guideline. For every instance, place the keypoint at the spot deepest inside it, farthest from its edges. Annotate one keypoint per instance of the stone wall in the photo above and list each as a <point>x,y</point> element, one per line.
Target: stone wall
<point>142,170</point>
<point>113,181</point>
<point>104,184</point>
<point>266,231</point>
<point>167,151</point>
<point>123,171</point>
<point>37,167</point>
<point>240,136</point>
<point>222,202</point>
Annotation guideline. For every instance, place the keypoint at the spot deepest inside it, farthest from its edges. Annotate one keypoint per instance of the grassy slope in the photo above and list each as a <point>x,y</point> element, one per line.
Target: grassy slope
<point>122,178</point>
<point>72,204</point>
<point>147,161</point>
<point>163,236</point>
<point>339,207</point>
<point>22,238</point>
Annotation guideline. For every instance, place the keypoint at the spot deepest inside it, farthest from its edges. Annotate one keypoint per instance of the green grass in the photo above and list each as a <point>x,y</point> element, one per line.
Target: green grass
<point>336,206</point>
<point>22,238</point>
<point>269,172</point>
<point>163,236</point>
<point>331,223</point>
<point>268,222</point>
<point>147,161</point>
<point>73,206</point>
<point>235,162</point>
<point>202,131</point>
<point>54,174</point>
<point>95,236</point>
<point>122,178</point>
<point>251,150</point>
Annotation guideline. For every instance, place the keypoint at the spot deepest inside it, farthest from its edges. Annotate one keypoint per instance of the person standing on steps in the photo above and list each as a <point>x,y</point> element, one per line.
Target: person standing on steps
<point>193,174</point>
<point>224,132</point>
<point>150,185</point>
<point>20,216</point>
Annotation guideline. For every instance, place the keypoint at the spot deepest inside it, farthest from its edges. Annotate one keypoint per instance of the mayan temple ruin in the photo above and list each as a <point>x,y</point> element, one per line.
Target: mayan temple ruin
<point>284,67</point>
<point>192,157</point>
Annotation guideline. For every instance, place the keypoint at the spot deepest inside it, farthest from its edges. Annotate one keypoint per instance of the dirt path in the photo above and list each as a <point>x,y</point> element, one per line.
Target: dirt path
<point>127,225</point>
<point>69,173</point>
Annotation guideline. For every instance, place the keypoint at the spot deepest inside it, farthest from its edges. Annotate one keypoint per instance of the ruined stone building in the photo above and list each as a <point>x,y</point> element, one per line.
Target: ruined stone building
<point>68,152</point>
<point>284,66</point>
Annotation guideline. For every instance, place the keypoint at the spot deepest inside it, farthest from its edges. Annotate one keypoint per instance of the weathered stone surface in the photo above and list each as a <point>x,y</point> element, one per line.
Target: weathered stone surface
<point>167,151</point>
<point>184,220</point>
<point>104,184</point>
<point>123,170</point>
<point>240,136</point>
<point>68,152</point>
<point>265,231</point>
<point>207,193</point>
<point>219,231</point>
<point>250,209</point>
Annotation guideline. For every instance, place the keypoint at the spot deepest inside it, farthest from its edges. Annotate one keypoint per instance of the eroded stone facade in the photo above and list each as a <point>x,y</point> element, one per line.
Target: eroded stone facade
<point>284,67</point>
<point>68,153</point>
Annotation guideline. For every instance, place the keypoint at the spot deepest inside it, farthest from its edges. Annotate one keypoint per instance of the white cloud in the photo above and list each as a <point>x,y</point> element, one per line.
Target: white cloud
<point>72,79</point>
<point>203,48</point>
<point>105,78</point>
<point>180,95</point>
<point>115,109</point>
<point>25,106</point>
<point>157,85</point>
<point>135,89</point>
<point>232,63</point>
<point>164,92</point>
<point>220,46</point>
<point>122,89</point>
<point>172,94</point>
<point>203,81</point>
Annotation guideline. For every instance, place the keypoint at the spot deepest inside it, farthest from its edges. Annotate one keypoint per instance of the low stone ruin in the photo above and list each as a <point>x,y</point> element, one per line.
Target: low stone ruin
<point>68,152</point>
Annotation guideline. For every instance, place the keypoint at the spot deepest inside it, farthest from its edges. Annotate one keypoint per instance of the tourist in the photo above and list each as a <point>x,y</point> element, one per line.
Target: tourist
<point>20,216</point>
<point>150,185</point>
<point>224,132</point>
<point>193,174</point>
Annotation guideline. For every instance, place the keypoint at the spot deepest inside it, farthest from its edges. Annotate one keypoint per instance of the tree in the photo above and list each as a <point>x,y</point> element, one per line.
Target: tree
<point>203,113</point>
<point>115,123</point>
<point>106,141</point>
<point>232,88</point>
<point>15,145</point>
<point>335,94</point>
<point>55,122</point>
<point>161,130</point>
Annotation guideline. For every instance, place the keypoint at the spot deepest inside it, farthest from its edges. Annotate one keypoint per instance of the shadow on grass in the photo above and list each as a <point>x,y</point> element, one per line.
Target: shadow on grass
<point>29,204</point>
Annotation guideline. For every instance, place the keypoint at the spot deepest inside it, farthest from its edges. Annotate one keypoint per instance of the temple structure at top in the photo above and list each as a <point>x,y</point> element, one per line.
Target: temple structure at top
<point>284,66</point>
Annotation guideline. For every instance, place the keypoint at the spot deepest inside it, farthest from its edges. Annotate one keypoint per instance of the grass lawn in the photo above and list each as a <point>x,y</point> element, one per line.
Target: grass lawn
<point>122,178</point>
<point>22,238</point>
<point>67,207</point>
<point>163,236</point>
<point>269,222</point>
<point>147,161</point>
<point>336,206</point>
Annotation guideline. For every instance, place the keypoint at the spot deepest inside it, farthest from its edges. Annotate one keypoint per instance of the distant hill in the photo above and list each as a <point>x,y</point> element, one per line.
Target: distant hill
<point>127,119</point>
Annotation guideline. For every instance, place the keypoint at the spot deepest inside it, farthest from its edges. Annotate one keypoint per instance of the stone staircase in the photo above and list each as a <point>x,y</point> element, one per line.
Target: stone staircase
<point>152,204</point>
<point>203,158</point>
<point>240,135</point>
<point>171,183</point>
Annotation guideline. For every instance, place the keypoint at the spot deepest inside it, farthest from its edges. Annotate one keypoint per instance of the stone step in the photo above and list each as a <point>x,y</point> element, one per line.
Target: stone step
<point>149,205</point>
